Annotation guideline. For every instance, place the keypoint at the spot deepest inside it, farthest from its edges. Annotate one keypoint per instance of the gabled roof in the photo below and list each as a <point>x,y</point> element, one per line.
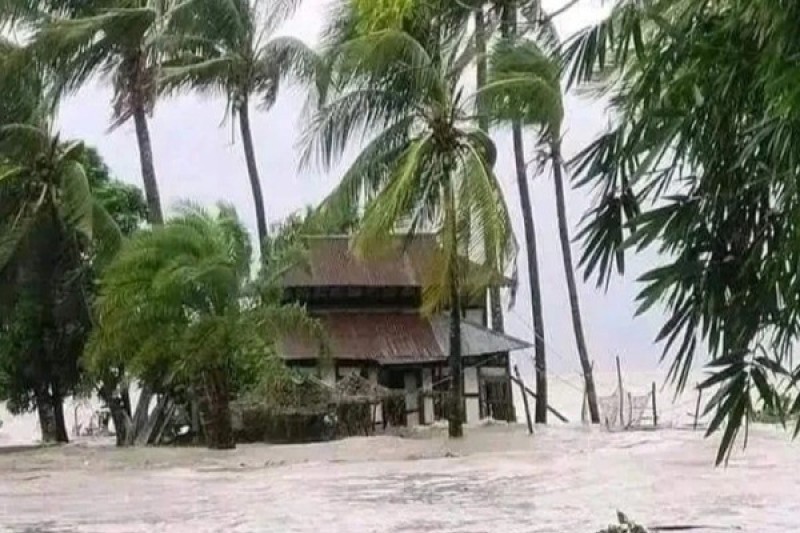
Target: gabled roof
<point>331,262</point>
<point>396,338</point>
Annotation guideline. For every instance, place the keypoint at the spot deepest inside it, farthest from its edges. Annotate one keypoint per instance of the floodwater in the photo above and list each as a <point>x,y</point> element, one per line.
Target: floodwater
<point>564,479</point>
<point>568,479</point>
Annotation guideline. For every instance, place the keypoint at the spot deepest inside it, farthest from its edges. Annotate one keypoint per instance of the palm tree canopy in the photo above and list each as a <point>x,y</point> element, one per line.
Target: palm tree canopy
<point>524,85</point>
<point>229,48</point>
<point>178,298</point>
<point>118,39</point>
<point>424,148</point>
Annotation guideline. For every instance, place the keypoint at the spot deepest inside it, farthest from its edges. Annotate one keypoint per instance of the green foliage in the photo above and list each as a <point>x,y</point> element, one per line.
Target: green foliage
<point>524,85</point>
<point>700,166</point>
<point>228,49</point>
<point>375,15</point>
<point>124,203</point>
<point>426,166</point>
<point>177,301</point>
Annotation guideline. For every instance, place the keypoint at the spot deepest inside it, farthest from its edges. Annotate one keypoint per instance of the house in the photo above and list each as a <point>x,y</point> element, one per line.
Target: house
<point>370,309</point>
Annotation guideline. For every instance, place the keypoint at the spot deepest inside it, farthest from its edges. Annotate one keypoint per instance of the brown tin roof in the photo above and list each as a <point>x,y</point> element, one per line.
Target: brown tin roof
<point>396,338</point>
<point>331,262</point>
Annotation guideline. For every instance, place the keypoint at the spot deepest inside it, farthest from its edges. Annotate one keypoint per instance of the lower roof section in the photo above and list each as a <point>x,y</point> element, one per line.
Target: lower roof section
<point>396,338</point>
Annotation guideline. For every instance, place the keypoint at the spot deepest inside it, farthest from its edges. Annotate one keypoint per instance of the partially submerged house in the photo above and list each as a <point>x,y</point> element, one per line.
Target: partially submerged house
<point>370,309</point>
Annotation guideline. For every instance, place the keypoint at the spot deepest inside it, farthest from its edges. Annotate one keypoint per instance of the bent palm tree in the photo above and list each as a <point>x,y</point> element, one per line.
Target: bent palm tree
<point>525,87</point>
<point>185,287</point>
<point>226,48</point>
<point>426,166</point>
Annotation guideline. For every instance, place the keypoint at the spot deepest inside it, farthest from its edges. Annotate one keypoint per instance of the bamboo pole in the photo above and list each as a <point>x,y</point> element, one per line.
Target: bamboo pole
<point>621,395</point>
<point>524,400</point>
<point>655,411</point>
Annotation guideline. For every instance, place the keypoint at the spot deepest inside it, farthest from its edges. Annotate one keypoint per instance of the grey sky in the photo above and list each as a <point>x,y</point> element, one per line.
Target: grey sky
<point>199,160</point>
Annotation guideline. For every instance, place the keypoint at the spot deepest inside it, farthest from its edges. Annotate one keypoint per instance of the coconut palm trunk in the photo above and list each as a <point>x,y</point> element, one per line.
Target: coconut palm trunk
<point>219,427</point>
<point>509,30</point>
<point>481,68</point>
<point>569,272</point>
<point>154,212</point>
<point>252,171</point>
<point>155,216</point>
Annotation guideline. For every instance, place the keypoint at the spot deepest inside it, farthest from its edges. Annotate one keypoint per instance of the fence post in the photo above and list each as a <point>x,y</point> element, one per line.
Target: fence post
<point>524,400</point>
<point>697,407</point>
<point>621,396</point>
<point>655,411</point>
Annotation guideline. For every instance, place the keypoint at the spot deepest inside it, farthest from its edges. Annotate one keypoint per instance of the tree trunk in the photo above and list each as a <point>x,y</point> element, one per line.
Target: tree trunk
<point>455,420</point>
<point>569,272</point>
<point>219,428</point>
<point>47,416</point>
<point>58,414</point>
<point>540,359</point>
<point>154,213</point>
<point>481,68</point>
<point>142,412</point>
<point>252,172</point>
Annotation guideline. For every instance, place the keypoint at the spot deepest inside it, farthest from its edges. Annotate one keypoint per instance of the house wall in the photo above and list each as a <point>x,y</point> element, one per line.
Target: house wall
<point>373,377</point>
<point>475,316</point>
<point>427,386</point>
<point>471,395</point>
<point>412,398</point>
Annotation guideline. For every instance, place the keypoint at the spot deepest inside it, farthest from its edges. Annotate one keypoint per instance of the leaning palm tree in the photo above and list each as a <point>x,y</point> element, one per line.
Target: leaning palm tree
<point>228,48</point>
<point>524,88</point>
<point>426,166</point>
<point>178,300</point>
<point>49,220</point>
<point>117,39</point>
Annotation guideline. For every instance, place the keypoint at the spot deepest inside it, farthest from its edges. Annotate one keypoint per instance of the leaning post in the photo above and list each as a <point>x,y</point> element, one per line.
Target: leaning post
<point>524,400</point>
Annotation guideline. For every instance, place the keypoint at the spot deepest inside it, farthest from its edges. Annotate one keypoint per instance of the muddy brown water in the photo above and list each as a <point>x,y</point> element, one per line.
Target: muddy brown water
<point>565,479</point>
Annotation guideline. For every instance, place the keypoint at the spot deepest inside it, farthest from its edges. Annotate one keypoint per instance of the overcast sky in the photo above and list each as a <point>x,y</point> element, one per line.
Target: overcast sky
<point>197,158</point>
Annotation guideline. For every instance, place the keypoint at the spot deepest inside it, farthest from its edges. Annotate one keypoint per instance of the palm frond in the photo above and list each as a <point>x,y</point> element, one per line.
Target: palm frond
<point>77,205</point>
<point>209,76</point>
<point>395,201</point>
<point>523,85</point>
<point>283,58</point>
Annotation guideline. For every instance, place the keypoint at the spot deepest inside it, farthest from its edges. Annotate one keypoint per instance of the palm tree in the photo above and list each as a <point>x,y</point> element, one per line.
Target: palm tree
<point>525,87</point>
<point>117,39</point>
<point>426,166</point>
<point>185,288</point>
<point>509,31</point>
<point>49,221</point>
<point>227,48</point>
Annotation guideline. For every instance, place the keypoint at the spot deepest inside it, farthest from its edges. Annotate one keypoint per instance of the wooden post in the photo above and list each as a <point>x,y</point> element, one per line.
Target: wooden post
<point>621,396</point>
<point>583,406</point>
<point>630,410</point>
<point>524,400</point>
<point>697,407</point>
<point>655,411</point>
